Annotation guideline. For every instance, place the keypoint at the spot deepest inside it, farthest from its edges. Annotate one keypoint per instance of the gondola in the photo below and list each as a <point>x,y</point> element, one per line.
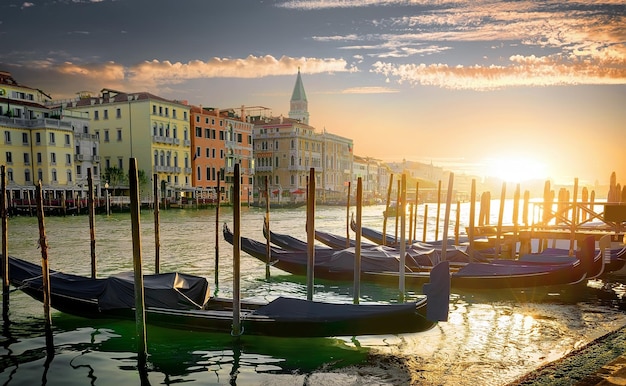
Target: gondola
<point>496,274</point>
<point>182,301</point>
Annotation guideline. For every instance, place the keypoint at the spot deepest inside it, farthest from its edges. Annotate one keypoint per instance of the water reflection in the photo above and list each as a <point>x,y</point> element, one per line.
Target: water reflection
<point>490,338</point>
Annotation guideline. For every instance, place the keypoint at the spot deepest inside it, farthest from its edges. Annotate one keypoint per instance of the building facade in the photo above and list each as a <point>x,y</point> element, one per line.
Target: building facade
<point>221,139</point>
<point>144,126</point>
<point>37,145</point>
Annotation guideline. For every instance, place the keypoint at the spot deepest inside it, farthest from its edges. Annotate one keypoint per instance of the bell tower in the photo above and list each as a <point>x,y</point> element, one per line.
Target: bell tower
<point>298,106</point>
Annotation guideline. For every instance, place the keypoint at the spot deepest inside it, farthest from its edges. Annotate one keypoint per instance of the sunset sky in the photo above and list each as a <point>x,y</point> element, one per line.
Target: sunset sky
<point>504,88</point>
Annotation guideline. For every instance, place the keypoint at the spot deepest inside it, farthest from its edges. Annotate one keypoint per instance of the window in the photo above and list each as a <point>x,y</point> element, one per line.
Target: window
<point>38,138</point>
<point>120,163</point>
<point>96,115</point>
<point>118,113</point>
<point>154,129</point>
<point>40,174</point>
<point>67,140</point>
<point>25,138</point>
<point>26,159</point>
<point>79,171</point>
<point>208,152</point>
<point>184,115</point>
<point>38,158</point>
<point>198,132</point>
<point>52,139</point>
<point>198,173</point>
<point>160,110</point>
<point>197,119</point>
<point>208,173</point>
<point>9,157</point>
<point>69,176</point>
<point>53,158</point>
<point>7,137</point>
<point>174,113</point>
<point>167,111</point>
<point>207,133</point>
<point>154,109</point>
<point>156,158</point>
<point>106,114</point>
<point>197,152</point>
<point>106,135</point>
<point>54,175</point>
<point>68,159</point>
<point>27,175</point>
<point>119,134</point>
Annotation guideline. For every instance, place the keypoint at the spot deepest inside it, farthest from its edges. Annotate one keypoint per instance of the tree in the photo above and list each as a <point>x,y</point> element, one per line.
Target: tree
<point>114,177</point>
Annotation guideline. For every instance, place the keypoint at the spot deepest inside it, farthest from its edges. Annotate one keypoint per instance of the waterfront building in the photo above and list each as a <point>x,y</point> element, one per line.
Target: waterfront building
<point>221,138</point>
<point>140,125</point>
<point>285,150</point>
<point>37,144</point>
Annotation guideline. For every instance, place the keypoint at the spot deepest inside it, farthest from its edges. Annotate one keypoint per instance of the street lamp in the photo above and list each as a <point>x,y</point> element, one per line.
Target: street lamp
<point>106,186</point>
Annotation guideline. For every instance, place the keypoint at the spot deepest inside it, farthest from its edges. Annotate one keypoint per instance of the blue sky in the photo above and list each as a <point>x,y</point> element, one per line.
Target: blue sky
<point>507,88</point>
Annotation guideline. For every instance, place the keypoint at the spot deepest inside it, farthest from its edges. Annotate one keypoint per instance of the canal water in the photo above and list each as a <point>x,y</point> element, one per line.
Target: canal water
<point>488,340</point>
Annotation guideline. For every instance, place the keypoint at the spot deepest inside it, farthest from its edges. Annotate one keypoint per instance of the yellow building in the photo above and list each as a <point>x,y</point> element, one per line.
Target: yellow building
<point>36,145</point>
<point>140,125</point>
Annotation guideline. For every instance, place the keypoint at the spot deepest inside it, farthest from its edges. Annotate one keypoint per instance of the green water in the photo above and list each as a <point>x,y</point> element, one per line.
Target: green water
<point>486,341</point>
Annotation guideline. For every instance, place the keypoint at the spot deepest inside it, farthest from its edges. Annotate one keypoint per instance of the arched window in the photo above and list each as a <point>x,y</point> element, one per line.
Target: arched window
<point>161,129</point>
<point>162,160</point>
<point>176,159</point>
<point>154,129</point>
<point>293,161</point>
<point>169,158</point>
<point>156,158</point>
<point>174,131</point>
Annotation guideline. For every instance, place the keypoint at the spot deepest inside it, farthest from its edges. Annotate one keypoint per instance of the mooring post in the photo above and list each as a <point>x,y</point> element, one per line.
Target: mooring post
<point>386,213</point>
<point>217,232</point>
<point>446,221</point>
<point>268,246</point>
<point>310,229</point>
<point>401,213</point>
<point>92,223</point>
<point>425,223</point>
<point>5,247</point>
<point>398,198</point>
<point>236,331</point>
<point>357,249</point>
<point>348,217</point>
<point>157,225</point>
<point>43,244</point>
<point>471,220</point>
<point>140,313</point>
<point>438,210</point>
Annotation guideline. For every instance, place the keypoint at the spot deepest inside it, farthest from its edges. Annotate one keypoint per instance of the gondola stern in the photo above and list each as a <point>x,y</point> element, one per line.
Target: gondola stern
<point>438,293</point>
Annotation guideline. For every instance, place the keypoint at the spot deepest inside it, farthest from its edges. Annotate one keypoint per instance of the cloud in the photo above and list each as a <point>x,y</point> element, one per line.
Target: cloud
<point>369,90</point>
<point>27,5</point>
<point>158,75</point>
<point>523,71</point>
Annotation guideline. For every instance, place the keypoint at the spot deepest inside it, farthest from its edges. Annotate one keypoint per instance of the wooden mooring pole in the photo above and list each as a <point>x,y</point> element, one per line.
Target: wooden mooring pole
<point>310,229</point>
<point>268,241</point>
<point>157,226</point>
<point>357,249</point>
<point>92,222</point>
<point>386,213</point>
<point>236,330</point>
<point>140,313</point>
<point>5,247</point>
<point>401,214</point>
<point>438,210</point>
<point>446,221</point>
<point>43,244</point>
<point>217,233</point>
<point>348,216</point>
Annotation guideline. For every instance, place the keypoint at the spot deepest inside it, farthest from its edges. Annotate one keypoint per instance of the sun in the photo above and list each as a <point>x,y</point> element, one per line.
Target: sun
<point>513,168</point>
